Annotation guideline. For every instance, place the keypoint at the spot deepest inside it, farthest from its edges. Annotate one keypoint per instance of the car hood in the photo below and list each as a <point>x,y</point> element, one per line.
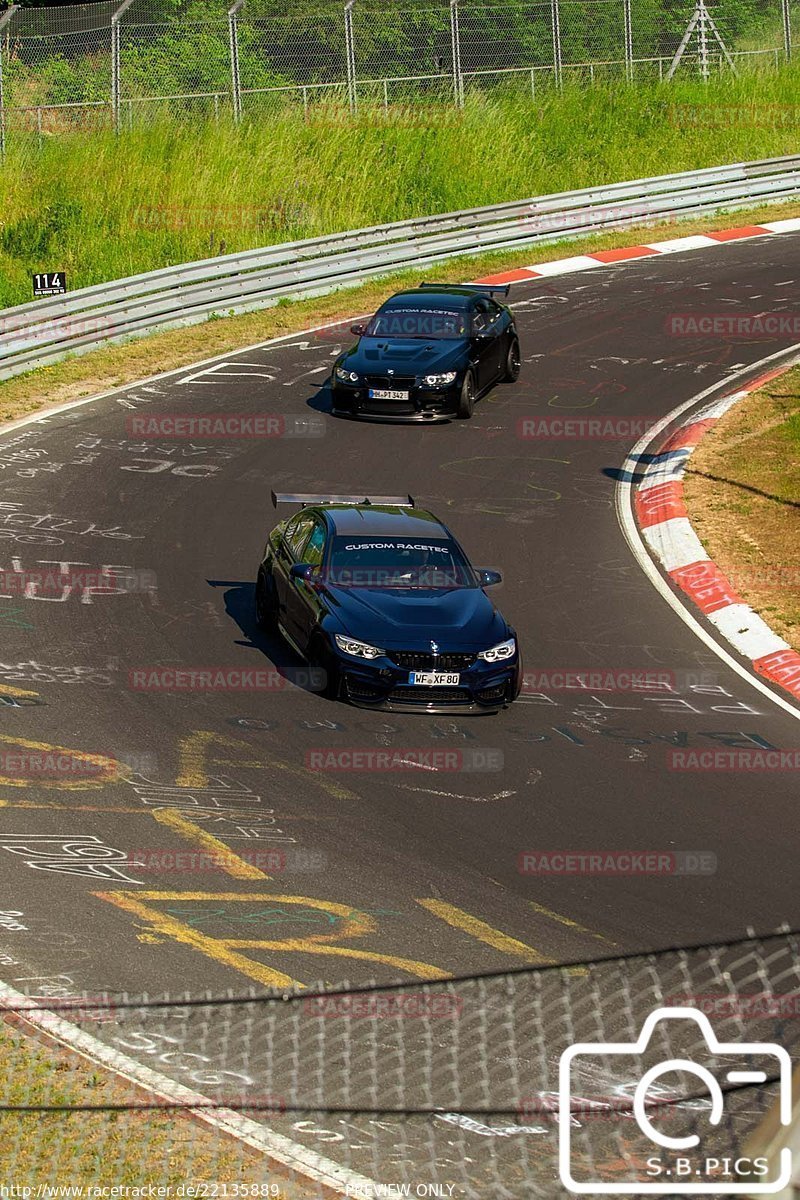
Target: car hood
<point>410,618</point>
<point>406,356</point>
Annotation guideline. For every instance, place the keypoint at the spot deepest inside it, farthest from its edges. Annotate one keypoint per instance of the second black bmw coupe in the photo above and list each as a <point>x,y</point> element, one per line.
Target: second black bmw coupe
<point>428,354</point>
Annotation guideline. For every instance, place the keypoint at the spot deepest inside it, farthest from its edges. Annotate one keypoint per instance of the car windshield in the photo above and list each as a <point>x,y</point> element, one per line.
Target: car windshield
<point>398,563</point>
<point>406,321</point>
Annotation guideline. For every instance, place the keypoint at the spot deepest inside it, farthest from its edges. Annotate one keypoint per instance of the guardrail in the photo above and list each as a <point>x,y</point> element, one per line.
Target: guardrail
<point>45,331</point>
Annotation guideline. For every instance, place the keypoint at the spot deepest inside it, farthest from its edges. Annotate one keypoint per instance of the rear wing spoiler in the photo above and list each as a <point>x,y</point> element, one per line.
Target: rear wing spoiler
<point>306,498</point>
<point>480,288</point>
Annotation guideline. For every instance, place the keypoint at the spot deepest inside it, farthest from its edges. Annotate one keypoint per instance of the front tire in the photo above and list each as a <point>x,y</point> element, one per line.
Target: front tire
<point>513,361</point>
<point>466,399</point>
<point>266,605</point>
<point>318,656</point>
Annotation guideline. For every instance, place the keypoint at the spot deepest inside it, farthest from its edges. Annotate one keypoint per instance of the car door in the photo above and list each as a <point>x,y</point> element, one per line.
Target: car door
<point>290,547</point>
<point>304,601</point>
<point>495,357</point>
<point>484,344</point>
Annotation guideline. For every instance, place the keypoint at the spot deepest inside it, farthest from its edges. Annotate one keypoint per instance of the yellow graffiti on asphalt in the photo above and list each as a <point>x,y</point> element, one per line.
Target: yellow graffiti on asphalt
<point>223,856</point>
<point>354,924</point>
<point>458,919</point>
<point>109,767</point>
<point>194,762</point>
<point>7,690</point>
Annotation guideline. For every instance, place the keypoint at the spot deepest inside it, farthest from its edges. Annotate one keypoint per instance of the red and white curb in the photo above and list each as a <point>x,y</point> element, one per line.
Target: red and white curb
<point>665,526</point>
<point>604,258</point>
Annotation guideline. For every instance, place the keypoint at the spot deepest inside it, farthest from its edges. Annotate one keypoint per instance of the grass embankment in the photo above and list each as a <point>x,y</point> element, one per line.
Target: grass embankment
<point>743,495</point>
<point>131,1149</point>
<point>101,207</point>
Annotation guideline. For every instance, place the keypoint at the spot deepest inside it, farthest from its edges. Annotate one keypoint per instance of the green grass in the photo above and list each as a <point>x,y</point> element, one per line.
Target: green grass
<point>104,1148</point>
<point>102,207</point>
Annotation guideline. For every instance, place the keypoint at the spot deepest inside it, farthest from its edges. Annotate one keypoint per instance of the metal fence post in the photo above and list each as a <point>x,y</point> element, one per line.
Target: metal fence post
<point>5,18</point>
<point>455,42</point>
<point>236,83</point>
<point>628,39</point>
<point>702,31</point>
<point>787,28</point>
<point>350,52</point>
<point>116,78</point>
<point>555,16</point>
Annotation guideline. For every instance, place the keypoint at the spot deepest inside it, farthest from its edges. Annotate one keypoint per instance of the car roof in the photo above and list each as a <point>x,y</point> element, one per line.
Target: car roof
<point>372,519</point>
<point>452,298</point>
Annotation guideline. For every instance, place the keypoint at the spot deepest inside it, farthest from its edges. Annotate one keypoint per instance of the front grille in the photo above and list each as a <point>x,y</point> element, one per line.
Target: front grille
<point>399,383</point>
<point>413,660</point>
<point>429,695</point>
<point>358,690</point>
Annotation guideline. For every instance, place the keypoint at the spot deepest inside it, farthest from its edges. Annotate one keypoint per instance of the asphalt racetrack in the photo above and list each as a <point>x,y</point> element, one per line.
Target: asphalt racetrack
<point>377,875</point>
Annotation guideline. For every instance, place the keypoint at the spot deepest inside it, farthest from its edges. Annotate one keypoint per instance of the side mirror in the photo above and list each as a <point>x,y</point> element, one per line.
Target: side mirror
<point>304,571</point>
<point>358,330</point>
<point>486,577</point>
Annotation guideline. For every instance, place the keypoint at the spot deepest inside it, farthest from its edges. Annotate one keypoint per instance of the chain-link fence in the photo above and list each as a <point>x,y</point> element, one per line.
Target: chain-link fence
<point>119,61</point>
<point>457,1083</point>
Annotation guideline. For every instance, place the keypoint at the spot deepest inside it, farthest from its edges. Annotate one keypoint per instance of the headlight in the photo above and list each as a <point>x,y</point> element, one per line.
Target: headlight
<point>500,651</point>
<point>357,649</point>
<point>439,380</point>
<point>346,376</point>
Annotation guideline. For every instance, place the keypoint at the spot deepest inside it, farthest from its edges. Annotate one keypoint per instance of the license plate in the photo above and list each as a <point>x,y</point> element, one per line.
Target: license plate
<point>434,679</point>
<point>386,394</point>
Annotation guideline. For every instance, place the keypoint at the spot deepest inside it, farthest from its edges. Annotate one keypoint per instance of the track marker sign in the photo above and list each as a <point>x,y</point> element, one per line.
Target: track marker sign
<point>50,283</point>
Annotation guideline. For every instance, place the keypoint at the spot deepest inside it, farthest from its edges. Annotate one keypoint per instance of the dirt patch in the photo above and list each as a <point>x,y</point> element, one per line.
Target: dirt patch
<point>742,491</point>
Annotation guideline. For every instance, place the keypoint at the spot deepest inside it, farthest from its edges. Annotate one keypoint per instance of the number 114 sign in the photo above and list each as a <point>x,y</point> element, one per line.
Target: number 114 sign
<point>50,283</point>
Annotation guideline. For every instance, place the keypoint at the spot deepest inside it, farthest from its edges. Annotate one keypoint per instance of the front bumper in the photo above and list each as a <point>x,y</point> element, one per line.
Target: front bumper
<point>424,404</point>
<point>382,684</point>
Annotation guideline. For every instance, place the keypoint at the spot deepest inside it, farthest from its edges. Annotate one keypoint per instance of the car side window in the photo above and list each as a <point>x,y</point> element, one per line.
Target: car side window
<point>296,533</point>
<point>480,317</point>
<point>315,545</point>
<point>494,312</point>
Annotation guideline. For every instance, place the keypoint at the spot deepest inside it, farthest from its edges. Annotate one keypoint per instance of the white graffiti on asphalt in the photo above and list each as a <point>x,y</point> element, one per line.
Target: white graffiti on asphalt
<point>14,518</point>
<point>81,854</point>
<point>225,802</point>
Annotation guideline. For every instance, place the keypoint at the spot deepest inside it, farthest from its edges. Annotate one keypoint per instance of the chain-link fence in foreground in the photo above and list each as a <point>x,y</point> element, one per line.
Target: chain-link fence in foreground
<point>454,1083</point>
<point>121,61</point>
